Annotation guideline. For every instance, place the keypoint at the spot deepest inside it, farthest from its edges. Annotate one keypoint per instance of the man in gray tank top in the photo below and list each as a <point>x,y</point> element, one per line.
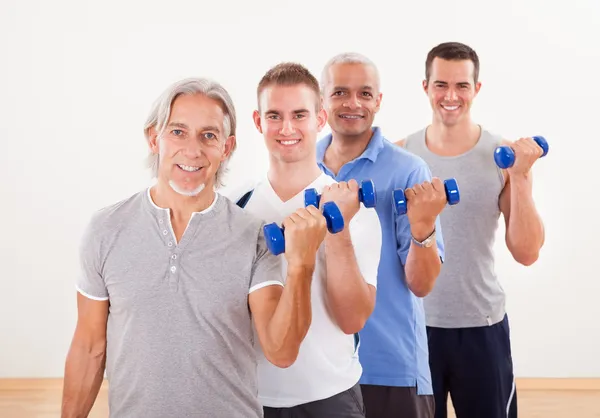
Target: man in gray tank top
<point>467,326</point>
<point>175,279</point>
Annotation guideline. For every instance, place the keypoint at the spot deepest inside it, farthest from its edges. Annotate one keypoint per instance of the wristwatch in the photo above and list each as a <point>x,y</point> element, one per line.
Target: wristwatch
<point>427,242</point>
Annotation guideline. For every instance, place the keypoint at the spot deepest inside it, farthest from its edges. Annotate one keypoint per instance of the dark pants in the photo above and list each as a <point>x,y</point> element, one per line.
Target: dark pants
<point>348,404</point>
<point>475,366</point>
<point>396,402</point>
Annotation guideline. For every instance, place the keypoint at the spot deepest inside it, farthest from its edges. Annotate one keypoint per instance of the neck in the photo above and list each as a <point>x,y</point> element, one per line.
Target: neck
<point>345,148</point>
<point>181,207</point>
<point>289,179</point>
<point>452,139</point>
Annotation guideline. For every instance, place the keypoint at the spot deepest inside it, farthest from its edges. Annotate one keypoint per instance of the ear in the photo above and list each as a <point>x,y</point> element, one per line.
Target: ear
<point>321,119</point>
<point>152,139</point>
<point>378,102</point>
<point>425,86</point>
<point>257,121</point>
<point>477,87</point>
<point>229,146</point>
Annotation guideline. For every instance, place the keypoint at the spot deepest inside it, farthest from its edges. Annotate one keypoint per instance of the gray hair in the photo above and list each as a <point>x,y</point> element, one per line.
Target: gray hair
<point>348,58</point>
<point>161,112</point>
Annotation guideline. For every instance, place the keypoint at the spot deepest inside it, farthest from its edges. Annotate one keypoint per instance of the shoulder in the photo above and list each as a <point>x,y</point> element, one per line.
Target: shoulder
<point>116,213</point>
<point>402,161</point>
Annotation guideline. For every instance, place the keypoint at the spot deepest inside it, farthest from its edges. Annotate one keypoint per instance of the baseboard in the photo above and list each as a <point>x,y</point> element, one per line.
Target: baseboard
<point>522,384</point>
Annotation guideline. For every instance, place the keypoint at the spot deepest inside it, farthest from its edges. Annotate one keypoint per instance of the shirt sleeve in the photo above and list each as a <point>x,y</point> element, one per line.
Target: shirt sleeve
<point>267,269</point>
<point>90,282</point>
<point>366,235</point>
<point>403,235</point>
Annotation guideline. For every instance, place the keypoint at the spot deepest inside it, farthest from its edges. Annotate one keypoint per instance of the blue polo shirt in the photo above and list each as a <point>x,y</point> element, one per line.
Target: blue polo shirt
<point>393,344</point>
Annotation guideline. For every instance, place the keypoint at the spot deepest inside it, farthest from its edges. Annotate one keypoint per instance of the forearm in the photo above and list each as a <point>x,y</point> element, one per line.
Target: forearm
<point>292,317</point>
<point>84,373</point>
<point>525,230</point>
<point>348,293</point>
<point>422,265</point>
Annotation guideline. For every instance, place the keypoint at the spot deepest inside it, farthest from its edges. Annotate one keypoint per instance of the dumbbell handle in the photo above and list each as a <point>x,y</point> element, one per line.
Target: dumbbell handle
<point>450,187</point>
<point>504,156</point>
<point>366,194</point>
<point>275,235</point>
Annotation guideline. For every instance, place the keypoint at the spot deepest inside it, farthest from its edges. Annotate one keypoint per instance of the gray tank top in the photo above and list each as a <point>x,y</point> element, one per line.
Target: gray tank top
<point>467,292</point>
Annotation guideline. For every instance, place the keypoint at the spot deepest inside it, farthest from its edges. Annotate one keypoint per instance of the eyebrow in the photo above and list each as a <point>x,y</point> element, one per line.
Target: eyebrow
<point>184,126</point>
<point>276,112</point>
<point>443,82</point>
<point>365,87</point>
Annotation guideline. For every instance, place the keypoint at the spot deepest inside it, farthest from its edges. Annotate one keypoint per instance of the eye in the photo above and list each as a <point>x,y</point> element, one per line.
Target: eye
<point>337,93</point>
<point>272,117</point>
<point>210,135</point>
<point>300,116</point>
<point>177,132</point>
<point>368,94</point>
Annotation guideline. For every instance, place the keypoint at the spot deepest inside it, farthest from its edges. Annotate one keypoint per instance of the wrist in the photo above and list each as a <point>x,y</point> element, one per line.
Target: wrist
<point>422,231</point>
<point>301,268</point>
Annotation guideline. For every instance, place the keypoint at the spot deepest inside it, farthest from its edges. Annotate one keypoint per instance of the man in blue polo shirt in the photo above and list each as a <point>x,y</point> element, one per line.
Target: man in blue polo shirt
<point>396,380</point>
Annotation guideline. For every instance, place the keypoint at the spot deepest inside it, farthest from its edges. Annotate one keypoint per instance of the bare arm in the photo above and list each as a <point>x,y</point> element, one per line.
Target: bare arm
<point>282,316</point>
<point>524,227</point>
<point>351,298</point>
<point>423,265</point>
<point>84,368</point>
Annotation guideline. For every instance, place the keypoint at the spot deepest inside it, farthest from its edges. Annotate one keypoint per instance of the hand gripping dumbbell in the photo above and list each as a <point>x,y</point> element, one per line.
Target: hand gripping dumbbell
<point>274,234</point>
<point>505,156</point>
<point>366,194</point>
<point>452,196</point>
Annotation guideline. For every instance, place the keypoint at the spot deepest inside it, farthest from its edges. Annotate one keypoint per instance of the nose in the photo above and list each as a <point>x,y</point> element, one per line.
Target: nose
<point>193,148</point>
<point>451,95</point>
<point>352,102</point>
<point>287,128</point>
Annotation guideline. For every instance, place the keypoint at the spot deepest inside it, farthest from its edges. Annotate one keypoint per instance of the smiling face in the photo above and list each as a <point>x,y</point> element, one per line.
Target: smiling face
<point>451,89</point>
<point>351,98</point>
<point>289,121</point>
<point>193,144</point>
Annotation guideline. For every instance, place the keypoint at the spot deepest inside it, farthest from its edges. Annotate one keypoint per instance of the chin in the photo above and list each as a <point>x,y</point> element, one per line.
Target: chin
<point>186,192</point>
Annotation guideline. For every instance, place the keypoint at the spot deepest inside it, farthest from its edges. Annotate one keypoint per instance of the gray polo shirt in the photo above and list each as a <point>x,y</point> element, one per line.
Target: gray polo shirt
<point>180,335</point>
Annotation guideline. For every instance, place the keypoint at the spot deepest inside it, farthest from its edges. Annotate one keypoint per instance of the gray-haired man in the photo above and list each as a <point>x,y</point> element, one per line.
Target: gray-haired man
<point>174,277</point>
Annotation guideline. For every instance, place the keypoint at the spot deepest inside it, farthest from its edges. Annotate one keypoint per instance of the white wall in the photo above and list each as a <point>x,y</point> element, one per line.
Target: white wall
<point>77,78</point>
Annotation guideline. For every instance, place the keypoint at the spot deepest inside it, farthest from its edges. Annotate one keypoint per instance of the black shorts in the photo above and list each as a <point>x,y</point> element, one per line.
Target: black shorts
<point>347,404</point>
<point>396,402</point>
<point>475,366</point>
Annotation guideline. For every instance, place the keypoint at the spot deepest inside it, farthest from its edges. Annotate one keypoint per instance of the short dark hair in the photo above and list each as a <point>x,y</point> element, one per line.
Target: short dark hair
<point>289,74</point>
<point>452,51</point>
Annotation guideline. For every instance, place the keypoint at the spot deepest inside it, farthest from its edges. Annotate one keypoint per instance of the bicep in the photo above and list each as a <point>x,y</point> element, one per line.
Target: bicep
<point>504,200</point>
<point>92,317</point>
<point>263,303</point>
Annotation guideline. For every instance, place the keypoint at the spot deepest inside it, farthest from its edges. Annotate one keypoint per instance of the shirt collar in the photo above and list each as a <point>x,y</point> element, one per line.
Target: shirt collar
<point>371,152</point>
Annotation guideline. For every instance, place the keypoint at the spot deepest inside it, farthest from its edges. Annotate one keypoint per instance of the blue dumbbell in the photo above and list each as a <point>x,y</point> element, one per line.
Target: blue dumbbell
<point>274,234</point>
<point>505,156</point>
<point>452,196</point>
<point>366,194</point>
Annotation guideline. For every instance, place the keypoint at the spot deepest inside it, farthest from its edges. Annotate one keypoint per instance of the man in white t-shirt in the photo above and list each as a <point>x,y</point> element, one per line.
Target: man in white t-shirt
<point>323,382</point>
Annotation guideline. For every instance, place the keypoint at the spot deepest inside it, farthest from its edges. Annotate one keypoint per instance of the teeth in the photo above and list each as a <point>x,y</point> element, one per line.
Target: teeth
<point>351,116</point>
<point>291,142</point>
<point>188,168</point>
<point>450,107</point>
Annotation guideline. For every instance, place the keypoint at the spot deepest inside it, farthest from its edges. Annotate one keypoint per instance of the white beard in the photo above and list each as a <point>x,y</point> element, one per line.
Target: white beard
<point>190,193</point>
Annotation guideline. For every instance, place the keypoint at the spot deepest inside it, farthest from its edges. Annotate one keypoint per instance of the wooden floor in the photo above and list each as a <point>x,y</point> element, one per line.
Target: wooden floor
<point>40,398</point>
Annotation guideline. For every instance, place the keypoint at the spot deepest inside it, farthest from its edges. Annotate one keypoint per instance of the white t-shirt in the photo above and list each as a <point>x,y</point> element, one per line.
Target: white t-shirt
<point>327,363</point>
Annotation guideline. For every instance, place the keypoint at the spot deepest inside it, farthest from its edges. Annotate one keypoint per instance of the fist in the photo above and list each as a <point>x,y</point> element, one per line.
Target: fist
<point>424,202</point>
<point>345,196</point>
<point>526,152</point>
<point>304,232</point>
